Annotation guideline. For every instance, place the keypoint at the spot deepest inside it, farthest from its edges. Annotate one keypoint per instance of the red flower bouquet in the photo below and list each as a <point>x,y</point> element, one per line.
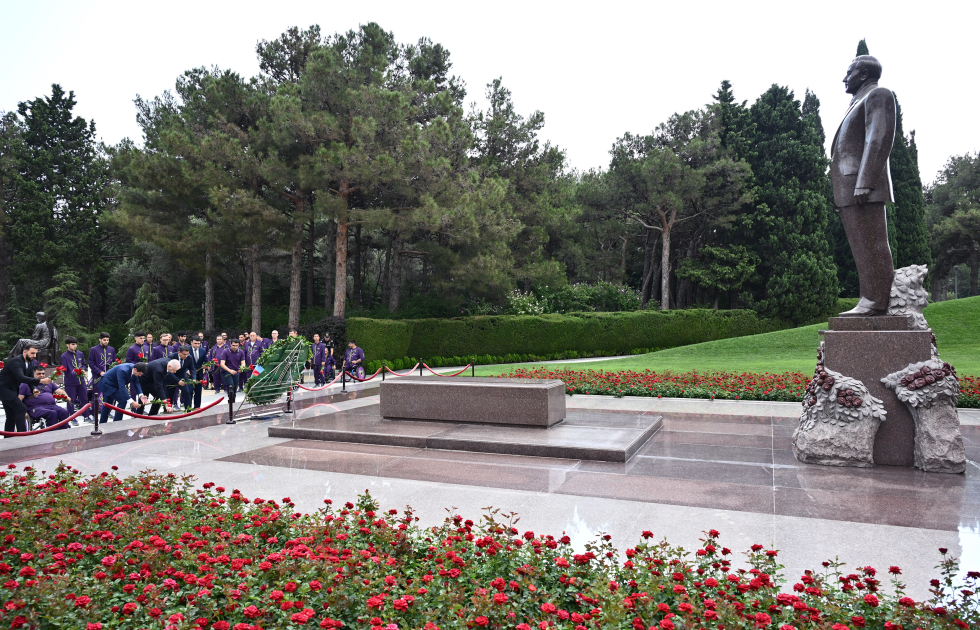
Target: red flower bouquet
<point>78,372</point>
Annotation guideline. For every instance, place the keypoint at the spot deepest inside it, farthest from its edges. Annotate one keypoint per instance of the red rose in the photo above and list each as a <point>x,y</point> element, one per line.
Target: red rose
<point>140,355</point>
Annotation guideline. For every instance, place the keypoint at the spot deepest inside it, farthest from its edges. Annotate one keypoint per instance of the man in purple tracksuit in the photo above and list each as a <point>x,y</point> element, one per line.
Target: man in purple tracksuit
<point>253,348</point>
<point>181,341</point>
<point>100,359</point>
<point>216,375</point>
<point>230,361</point>
<point>162,349</point>
<point>40,401</point>
<point>354,360</point>
<point>76,387</point>
<point>319,351</point>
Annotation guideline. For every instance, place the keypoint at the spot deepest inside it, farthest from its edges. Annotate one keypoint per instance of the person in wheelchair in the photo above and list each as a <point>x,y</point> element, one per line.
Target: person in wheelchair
<point>42,407</point>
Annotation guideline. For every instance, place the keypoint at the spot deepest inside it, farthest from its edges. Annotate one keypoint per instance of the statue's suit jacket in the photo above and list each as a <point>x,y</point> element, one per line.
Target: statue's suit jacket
<point>859,152</point>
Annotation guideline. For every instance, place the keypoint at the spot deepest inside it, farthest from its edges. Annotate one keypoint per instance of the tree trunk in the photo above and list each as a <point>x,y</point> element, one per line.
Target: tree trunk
<point>310,258</point>
<point>248,274</point>
<point>331,256</point>
<point>340,274</point>
<point>295,283</point>
<point>256,291</point>
<point>974,264</point>
<point>386,270</point>
<point>650,268</point>
<point>622,261</point>
<point>394,291</point>
<point>357,294</point>
<point>665,270</point>
<point>208,294</point>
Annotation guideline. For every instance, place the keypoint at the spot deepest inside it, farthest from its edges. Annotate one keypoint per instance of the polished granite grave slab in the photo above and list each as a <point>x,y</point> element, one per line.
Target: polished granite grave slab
<point>741,463</point>
<point>529,402</point>
<point>610,437</point>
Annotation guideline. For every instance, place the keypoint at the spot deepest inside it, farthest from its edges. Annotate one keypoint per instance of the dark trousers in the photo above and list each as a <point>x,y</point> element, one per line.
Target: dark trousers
<point>118,399</point>
<point>242,377</point>
<point>52,415</point>
<point>319,378</point>
<point>229,381</point>
<point>77,397</point>
<point>15,410</point>
<point>866,227</point>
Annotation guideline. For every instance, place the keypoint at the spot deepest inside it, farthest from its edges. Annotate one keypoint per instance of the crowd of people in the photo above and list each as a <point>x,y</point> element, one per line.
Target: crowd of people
<point>173,370</point>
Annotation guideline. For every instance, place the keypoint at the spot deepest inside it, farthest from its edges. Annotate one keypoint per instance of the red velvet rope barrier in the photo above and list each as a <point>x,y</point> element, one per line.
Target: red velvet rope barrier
<point>409,373</point>
<point>316,389</point>
<point>448,375</point>
<point>363,380</point>
<point>183,415</point>
<point>46,429</point>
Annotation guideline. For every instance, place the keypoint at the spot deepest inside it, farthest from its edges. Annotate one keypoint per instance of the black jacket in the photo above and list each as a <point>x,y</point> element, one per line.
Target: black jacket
<point>157,378</point>
<point>15,371</point>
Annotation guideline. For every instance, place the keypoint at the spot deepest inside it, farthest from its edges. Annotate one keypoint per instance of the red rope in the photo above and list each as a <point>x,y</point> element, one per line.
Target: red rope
<point>316,389</point>
<point>363,380</point>
<point>46,429</point>
<point>409,373</point>
<point>183,415</point>
<point>468,366</point>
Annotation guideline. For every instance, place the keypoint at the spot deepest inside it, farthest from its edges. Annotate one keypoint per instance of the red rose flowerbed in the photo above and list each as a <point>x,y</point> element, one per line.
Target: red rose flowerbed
<point>153,551</point>
<point>787,387</point>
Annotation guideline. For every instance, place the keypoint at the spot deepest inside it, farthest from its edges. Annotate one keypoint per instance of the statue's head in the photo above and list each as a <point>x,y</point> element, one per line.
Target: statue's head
<point>40,316</point>
<point>863,69</point>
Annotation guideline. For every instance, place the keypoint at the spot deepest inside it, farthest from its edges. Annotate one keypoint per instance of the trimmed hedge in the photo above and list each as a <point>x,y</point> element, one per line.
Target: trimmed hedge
<point>542,335</point>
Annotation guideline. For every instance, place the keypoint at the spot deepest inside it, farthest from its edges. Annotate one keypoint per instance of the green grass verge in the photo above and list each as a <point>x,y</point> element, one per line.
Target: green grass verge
<point>956,324</point>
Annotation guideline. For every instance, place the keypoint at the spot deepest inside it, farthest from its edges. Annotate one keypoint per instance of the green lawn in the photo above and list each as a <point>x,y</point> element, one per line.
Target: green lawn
<point>956,324</point>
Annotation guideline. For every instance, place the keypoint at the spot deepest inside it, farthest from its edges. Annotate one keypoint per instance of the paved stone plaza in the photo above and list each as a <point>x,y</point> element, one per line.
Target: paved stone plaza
<point>722,464</point>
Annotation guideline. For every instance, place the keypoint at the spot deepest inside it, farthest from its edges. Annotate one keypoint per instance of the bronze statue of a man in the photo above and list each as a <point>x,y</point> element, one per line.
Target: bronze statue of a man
<point>863,181</point>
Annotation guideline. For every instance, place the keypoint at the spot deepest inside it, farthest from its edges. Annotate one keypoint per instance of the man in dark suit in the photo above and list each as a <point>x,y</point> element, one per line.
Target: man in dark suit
<point>16,371</point>
<point>159,380</point>
<point>198,357</point>
<point>863,182</point>
<point>186,373</point>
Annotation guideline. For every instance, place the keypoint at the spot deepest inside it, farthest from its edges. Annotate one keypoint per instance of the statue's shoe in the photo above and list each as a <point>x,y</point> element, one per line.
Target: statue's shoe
<point>863,311</point>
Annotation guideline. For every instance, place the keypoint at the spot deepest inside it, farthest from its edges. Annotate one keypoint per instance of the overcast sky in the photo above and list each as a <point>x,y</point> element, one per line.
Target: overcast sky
<point>595,69</point>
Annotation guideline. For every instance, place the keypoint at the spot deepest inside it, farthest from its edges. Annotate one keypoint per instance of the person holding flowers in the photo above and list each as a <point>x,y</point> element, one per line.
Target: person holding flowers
<point>101,357</point>
<point>319,353</point>
<point>161,349</point>
<point>115,386</point>
<point>139,352</point>
<point>76,386</point>
<point>41,402</point>
<point>231,361</point>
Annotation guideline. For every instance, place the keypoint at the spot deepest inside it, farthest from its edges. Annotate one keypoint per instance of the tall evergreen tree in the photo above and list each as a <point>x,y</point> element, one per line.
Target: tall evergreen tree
<point>787,229</point>
<point>907,232</point>
<point>909,209</point>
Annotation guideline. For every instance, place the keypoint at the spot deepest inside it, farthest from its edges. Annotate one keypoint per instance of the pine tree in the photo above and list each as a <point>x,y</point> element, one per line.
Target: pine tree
<point>62,190</point>
<point>787,228</point>
<point>907,232</point>
<point>147,315</point>
<point>911,239</point>
<point>62,303</point>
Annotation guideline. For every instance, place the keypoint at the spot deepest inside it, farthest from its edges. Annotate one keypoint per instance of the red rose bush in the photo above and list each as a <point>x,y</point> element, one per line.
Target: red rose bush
<point>152,551</point>
<point>786,387</point>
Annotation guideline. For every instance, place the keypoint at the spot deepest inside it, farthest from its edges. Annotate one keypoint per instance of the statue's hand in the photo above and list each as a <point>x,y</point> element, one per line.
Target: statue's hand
<point>861,194</point>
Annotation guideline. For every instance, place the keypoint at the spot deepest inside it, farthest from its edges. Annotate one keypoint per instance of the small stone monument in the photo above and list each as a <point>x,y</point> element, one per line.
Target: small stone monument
<point>44,338</point>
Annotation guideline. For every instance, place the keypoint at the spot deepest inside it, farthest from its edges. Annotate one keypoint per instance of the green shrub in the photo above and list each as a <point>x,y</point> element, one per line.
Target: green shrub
<point>512,338</point>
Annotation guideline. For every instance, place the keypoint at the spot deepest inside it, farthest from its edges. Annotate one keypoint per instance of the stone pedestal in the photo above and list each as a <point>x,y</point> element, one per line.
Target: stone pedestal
<point>869,349</point>
<point>528,402</point>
